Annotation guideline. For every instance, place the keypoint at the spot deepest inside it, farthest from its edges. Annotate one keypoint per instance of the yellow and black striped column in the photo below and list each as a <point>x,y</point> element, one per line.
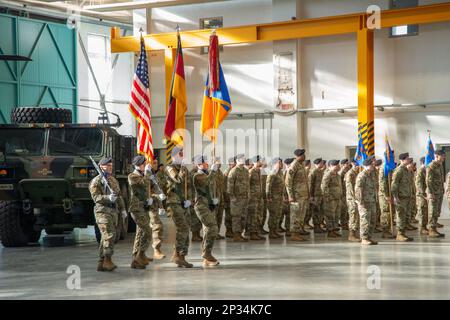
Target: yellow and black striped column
<point>170,145</point>
<point>366,127</point>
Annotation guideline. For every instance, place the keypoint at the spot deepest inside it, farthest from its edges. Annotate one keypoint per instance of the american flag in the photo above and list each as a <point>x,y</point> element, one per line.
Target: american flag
<point>140,105</point>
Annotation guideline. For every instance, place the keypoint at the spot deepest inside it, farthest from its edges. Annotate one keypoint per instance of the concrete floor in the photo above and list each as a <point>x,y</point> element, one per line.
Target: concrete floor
<point>318,269</point>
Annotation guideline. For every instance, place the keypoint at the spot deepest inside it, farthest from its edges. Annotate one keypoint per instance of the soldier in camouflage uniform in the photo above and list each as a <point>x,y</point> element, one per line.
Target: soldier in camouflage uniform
<point>421,197</point>
<point>378,165</point>
<point>412,213</point>
<point>140,202</point>
<point>178,203</point>
<point>255,199</point>
<point>195,223</point>
<point>435,192</point>
<point>384,201</point>
<point>366,198</point>
<point>238,187</point>
<point>274,191</point>
<point>343,219</point>
<point>286,212</point>
<point>226,198</point>
<point>332,197</point>
<point>162,181</point>
<point>316,199</point>
<point>218,187</point>
<point>401,190</point>
<point>263,215</point>
<point>108,205</point>
<point>205,205</point>
<point>298,194</point>
<point>352,206</point>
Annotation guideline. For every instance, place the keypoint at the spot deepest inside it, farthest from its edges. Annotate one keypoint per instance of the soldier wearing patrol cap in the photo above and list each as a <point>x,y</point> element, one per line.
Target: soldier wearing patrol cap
<point>298,195</point>
<point>142,199</point>
<point>108,205</point>
<point>332,197</point>
<point>255,199</point>
<point>226,198</point>
<point>238,187</point>
<point>205,204</point>
<point>435,192</point>
<point>178,203</point>
<point>401,189</point>
<point>366,198</point>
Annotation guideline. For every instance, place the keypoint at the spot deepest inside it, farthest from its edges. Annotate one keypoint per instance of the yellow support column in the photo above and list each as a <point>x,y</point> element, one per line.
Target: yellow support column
<point>169,58</point>
<point>366,88</point>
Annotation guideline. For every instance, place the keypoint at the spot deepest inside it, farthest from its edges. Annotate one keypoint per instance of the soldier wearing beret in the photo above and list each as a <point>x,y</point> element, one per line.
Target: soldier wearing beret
<point>298,194</point>
<point>238,187</point>
<point>435,192</point>
<point>343,219</point>
<point>401,189</point>
<point>204,205</point>
<point>178,204</point>
<point>108,205</point>
<point>274,191</point>
<point>332,197</point>
<point>366,198</point>
<point>226,198</point>
<point>255,199</point>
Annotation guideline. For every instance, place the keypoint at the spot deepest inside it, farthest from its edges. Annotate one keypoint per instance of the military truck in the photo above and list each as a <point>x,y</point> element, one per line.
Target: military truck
<point>45,173</point>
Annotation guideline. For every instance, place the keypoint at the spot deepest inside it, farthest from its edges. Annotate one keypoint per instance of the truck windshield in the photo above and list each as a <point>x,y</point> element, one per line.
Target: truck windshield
<point>87,141</point>
<point>22,142</point>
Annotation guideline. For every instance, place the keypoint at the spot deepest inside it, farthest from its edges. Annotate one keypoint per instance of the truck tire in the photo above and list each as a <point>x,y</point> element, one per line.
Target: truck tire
<point>14,230</point>
<point>40,115</point>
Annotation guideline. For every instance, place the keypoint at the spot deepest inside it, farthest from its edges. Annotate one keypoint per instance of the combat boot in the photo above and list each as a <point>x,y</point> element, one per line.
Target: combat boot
<point>179,260</point>
<point>352,236</point>
<point>424,231</point>
<point>237,237</point>
<point>158,255</point>
<point>229,234</point>
<point>367,242</point>
<point>297,237</point>
<point>433,233</point>
<point>318,229</point>
<point>303,232</point>
<point>209,260</point>
<point>274,235</point>
<point>281,230</point>
<point>135,264</point>
<point>263,231</point>
<point>308,226</point>
<point>100,265</point>
<point>184,262</point>
<point>108,265</point>
<point>402,237</point>
<point>387,235</point>
<point>332,234</point>
<point>143,257</point>
<point>338,235</point>
<point>410,227</point>
<point>255,236</point>
<point>438,225</point>
<point>196,237</point>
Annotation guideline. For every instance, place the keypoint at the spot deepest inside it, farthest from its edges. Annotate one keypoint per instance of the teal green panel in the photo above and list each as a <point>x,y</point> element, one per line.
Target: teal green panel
<point>7,46</point>
<point>8,100</point>
<point>30,94</point>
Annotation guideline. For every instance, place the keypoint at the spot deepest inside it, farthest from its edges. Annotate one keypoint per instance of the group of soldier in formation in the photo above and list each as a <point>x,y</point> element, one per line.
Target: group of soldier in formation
<point>336,195</point>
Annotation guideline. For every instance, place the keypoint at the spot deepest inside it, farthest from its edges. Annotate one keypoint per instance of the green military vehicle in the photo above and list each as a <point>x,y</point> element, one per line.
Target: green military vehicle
<point>45,173</point>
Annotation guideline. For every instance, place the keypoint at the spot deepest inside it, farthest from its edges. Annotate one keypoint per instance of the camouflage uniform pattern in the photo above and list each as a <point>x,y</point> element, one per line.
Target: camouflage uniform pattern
<point>177,179</point>
<point>203,200</point>
<point>377,188</point>
<point>106,213</point>
<point>155,221</point>
<point>332,198</point>
<point>263,212</point>
<point>226,201</point>
<point>435,187</point>
<point>421,196</point>
<point>366,197</point>
<point>217,187</point>
<point>344,217</point>
<point>297,190</point>
<point>274,192</point>
<point>286,212</point>
<point>315,180</point>
<point>254,201</point>
<point>413,212</point>
<point>383,199</point>
<point>238,187</point>
<point>195,223</point>
<point>350,181</point>
<point>401,190</point>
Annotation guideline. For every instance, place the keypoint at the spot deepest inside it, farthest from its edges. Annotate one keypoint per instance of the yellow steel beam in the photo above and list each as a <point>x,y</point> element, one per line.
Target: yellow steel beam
<point>324,26</point>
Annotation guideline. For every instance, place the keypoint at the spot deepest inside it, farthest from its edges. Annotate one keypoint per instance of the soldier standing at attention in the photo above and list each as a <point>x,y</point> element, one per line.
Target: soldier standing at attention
<point>421,197</point>
<point>217,187</point>
<point>238,188</point>
<point>226,198</point>
<point>316,199</point>
<point>298,195</point>
<point>106,210</point>
<point>274,191</point>
<point>435,192</point>
<point>286,213</point>
<point>352,206</point>
<point>255,200</point>
<point>263,216</point>
<point>205,205</point>
<point>194,221</point>
<point>384,204</point>
<point>366,198</point>
<point>140,202</point>
<point>412,213</point>
<point>332,197</point>
<point>401,193</point>
<point>345,167</point>
<point>178,204</point>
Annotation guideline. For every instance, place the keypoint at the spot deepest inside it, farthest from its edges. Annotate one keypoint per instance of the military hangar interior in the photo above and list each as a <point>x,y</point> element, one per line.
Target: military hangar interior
<point>231,209</point>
